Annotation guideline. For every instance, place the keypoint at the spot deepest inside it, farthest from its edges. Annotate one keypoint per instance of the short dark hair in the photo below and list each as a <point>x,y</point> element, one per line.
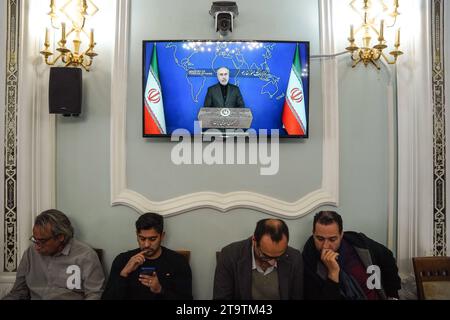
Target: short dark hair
<point>150,220</point>
<point>58,221</point>
<point>327,218</point>
<point>276,228</point>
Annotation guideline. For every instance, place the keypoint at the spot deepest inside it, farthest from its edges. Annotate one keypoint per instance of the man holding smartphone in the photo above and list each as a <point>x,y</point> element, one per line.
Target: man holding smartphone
<point>151,272</point>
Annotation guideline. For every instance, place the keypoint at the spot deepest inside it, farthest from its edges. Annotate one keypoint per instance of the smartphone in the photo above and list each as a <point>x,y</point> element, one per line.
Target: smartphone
<point>147,270</point>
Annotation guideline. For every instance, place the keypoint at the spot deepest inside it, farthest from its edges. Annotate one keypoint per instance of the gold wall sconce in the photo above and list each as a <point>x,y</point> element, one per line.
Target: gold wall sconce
<point>372,27</point>
<point>68,20</point>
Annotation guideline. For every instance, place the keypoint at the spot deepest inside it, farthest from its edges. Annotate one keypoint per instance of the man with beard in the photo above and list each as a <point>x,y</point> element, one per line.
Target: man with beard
<point>151,272</point>
<point>338,264</point>
<point>223,94</point>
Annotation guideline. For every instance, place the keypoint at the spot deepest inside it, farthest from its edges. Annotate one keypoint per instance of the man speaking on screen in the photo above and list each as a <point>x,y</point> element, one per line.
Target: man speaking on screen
<point>223,94</point>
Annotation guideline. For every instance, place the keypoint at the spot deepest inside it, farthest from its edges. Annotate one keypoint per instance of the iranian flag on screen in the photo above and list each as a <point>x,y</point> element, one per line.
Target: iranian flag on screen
<point>154,120</point>
<point>294,112</point>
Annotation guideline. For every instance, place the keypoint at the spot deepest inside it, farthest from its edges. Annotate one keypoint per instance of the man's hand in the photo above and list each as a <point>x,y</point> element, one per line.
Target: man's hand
<point>134,262</point>
<point>329,258</point>
<point>151,281</point>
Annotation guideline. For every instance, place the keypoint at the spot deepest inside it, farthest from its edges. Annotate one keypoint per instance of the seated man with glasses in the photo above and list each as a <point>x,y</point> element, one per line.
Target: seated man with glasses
<point>262,267</point>
<point>57,266</point>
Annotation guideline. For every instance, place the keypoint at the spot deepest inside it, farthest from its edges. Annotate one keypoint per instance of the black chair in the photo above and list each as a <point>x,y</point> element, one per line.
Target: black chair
<point>99,253</point>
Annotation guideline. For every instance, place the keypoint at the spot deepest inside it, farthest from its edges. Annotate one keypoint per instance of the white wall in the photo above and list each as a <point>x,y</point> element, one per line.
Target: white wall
<point>83,179</point>
<point>83,172</point>
<point>152,155</point>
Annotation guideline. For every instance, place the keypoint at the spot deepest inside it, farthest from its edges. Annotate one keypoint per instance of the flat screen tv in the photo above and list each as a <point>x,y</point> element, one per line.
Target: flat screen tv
<point>272,77</point>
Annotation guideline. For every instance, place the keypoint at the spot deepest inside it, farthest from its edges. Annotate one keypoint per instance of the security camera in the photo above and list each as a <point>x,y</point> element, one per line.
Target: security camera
<point>224,13</point>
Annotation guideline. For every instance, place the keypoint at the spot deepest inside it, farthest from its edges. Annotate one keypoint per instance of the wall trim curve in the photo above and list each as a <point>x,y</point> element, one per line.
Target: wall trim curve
<point>225,202</point>
<point>327,194</point>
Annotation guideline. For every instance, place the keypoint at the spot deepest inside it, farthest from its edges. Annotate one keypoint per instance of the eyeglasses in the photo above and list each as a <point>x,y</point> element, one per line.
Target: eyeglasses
<point>263,257</point>
<point>39,241</point>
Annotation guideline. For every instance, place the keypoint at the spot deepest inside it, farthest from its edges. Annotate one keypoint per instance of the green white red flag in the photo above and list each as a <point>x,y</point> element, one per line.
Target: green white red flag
<point>154,118</point>
<point>294,111</point>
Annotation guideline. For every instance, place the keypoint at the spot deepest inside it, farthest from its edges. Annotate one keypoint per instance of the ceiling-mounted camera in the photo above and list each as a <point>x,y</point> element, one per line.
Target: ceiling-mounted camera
<point>224,13</point>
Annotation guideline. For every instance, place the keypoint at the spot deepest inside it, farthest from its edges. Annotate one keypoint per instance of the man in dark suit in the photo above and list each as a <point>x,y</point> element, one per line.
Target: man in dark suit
<point>223,94</point>
<point>338,264</point>
<point>261,267</point>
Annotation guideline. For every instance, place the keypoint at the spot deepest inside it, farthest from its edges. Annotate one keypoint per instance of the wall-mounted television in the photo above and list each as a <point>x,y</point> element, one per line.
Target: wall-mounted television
<point>272,77</point>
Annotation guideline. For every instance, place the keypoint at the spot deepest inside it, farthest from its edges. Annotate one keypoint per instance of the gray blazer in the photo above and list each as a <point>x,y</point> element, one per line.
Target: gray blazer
<point>233,276</point>
<point>214,98</point>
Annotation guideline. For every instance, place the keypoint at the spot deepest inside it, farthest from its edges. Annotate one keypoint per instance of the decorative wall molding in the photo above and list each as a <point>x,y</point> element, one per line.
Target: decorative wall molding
<point>119,101</point>
<point>415,137</point>
<point>439,133</point>
<point>392,156</point>
<point>330,96</point>
<point>35,134</point>
<point>10,137</point>
<point>3,10</point>
<point>328,194</point>
<point>446,36</point>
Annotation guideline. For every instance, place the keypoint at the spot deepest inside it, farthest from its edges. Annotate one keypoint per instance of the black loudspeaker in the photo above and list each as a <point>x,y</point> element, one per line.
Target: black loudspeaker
<point>65,91</point>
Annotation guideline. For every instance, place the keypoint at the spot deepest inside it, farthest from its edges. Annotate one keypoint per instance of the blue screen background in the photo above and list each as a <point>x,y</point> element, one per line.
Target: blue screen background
<point>260,69</point>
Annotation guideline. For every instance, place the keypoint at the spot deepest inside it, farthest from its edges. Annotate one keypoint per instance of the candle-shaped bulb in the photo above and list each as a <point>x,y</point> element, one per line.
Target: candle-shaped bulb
<point>63,31</point>
<point>46,43</point>
<point>352,33</point>
<point>381,30</point>
<point>397,40</point>
<point>92,38</point>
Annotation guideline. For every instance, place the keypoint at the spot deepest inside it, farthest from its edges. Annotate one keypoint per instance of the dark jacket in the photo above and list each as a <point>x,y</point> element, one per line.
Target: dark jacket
<point>172,269</point>
<point>319,287</point>
<point>214,97</point>
<point>233,276</point>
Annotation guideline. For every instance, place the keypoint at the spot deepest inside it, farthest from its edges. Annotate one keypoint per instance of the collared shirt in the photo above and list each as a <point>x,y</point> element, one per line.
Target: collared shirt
<point>74,273</point>
<point>258,268</point>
